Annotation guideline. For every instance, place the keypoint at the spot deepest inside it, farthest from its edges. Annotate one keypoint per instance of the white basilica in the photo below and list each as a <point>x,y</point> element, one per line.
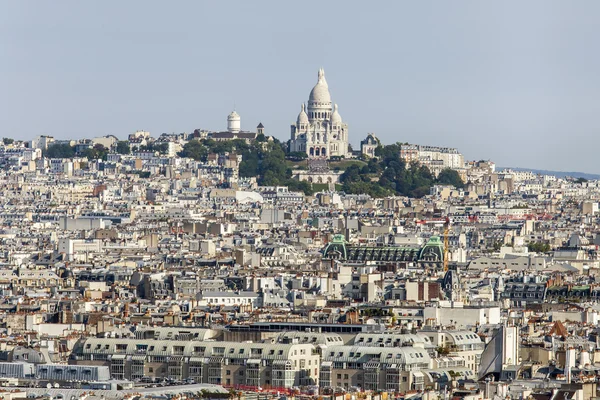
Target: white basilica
<point>319,130</point>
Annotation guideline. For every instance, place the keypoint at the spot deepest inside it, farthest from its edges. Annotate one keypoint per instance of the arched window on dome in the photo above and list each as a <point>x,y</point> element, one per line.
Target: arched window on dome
<point>312,151</point>
<point>323,152</point>
<point>317,152</point>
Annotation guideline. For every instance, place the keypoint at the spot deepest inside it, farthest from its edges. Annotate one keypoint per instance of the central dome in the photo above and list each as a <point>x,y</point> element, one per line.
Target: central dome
<point>320,93</point>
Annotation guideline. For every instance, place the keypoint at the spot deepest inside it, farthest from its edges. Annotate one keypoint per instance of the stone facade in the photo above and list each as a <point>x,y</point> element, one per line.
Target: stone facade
<point>319,131</point>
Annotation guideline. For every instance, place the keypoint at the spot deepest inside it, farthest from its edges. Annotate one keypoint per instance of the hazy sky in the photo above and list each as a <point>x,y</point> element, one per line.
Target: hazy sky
<point>513,81</point>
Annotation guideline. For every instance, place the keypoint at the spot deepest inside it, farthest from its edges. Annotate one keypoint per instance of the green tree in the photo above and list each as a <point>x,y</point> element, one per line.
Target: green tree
<point>249,165</point>
<point>539,247</point>
<point>450,177</point>
<point>123,147</point>
<point>60,150</point>
<point>297,155</point>
<point>8,141</point>
<point>302,186</point>
<point>194,149</point>
<point>161,148</point>
<point>96,153</point>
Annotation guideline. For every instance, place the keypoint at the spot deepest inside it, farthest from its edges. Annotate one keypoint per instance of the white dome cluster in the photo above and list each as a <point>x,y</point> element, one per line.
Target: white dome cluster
<point>319,130</point>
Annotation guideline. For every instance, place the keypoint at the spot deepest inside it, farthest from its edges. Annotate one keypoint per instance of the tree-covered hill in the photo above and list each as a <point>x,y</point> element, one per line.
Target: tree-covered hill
<point>388,174</point>
<point>383,176</point>
<point>262,159</point>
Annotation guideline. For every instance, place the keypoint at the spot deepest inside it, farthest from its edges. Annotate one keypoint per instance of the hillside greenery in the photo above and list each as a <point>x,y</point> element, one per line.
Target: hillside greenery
<point>388,174</point>
<point>59,150</point>
<point>262,159</point>
<point>271,164</point>
<point>385,175</point>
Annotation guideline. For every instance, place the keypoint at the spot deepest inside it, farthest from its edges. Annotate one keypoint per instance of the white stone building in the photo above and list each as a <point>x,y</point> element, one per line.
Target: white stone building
<point>319,130</point>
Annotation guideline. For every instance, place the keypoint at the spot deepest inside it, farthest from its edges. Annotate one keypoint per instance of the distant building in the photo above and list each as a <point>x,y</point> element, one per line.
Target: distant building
<point>234,130</point>
<point>368,146</point>
<point>431,255</point>
<point>319,131</point>
<point>435,158</point>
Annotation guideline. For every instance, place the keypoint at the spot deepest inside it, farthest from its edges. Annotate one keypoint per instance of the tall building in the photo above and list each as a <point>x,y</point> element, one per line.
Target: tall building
<point>319,131</point>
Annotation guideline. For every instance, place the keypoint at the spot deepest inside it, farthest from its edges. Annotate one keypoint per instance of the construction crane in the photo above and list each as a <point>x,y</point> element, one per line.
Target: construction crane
<point>446,232</point>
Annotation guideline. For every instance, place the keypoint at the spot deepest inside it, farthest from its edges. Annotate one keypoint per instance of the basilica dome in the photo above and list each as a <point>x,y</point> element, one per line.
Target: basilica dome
<point>335,116</point>
<point>302,117</point>
<point>320,93</point>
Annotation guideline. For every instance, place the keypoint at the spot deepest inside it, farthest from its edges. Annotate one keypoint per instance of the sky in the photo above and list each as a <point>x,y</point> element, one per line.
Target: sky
<point>517,82</point>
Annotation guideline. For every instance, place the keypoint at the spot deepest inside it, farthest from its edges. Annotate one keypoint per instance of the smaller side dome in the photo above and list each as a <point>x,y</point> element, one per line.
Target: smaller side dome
<point>302,117</point>
<point>335,116</point>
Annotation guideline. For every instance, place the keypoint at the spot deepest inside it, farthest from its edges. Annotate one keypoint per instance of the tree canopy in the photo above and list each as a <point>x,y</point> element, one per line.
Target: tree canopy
<point>60,150</point>
<point>160,147</point>
<point>98,152</point>
<point>538,247</point>
<point>451,177</point>
<point>390,175</point>
<point>261,159</point>
<point>123,147</point>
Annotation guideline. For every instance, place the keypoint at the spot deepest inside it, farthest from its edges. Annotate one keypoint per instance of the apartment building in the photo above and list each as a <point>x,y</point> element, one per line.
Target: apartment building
<point>222,363</point>
<point>374,368</point>
<point>446,157</point>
